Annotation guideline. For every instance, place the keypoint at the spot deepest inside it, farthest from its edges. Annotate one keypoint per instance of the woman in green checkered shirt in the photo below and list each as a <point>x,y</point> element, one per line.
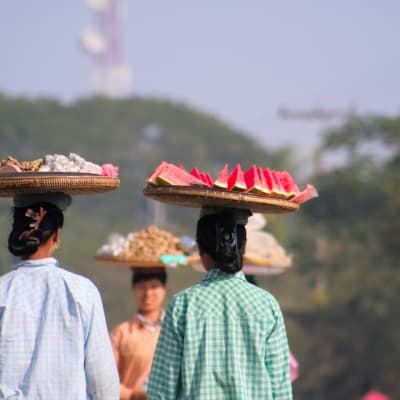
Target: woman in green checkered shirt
<point>224,338</point>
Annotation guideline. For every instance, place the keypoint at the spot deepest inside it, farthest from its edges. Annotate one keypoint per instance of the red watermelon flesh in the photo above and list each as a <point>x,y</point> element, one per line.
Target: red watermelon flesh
<point>288,184</point>
<point>206,178</point>
<point>203,176</point>
<point>236,179</point>
<point>280,188</point>
<point>153,176</point>
<point>173,175</point>
<point>253,181</point>
<point>307,194</point>
<point>195,172</point>
<point>272,183</point>
<point>222,178</point>
<point>264,186</point>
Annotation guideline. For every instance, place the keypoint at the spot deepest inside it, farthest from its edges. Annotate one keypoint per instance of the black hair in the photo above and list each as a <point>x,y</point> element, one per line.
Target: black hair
<point>25,238</point>
<point>146,274</point>
<point>251,279</point>
<point>222,239</point>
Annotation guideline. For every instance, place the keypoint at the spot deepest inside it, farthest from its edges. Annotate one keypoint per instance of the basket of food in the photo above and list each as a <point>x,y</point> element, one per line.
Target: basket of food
<point>146,248</point>
<point>257,189</point>
<point>72,175</point>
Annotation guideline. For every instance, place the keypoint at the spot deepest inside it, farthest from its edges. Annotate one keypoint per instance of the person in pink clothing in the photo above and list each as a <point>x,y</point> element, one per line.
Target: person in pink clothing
<point>375,395</point>
<point>372,393</point>
<point>294,367</point>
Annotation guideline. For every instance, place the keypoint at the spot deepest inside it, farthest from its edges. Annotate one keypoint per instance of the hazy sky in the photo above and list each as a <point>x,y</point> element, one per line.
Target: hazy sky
<point>239,60</point>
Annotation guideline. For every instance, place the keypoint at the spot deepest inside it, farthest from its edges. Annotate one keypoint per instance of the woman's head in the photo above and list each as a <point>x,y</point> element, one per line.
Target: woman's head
<point>223,239</point>
<point>32,227</point>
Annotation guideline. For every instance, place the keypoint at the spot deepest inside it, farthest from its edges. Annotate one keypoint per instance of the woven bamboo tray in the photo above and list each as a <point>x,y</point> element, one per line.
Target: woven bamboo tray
<point>135,263</point>
<point>197,196</point>
<point>12,184</point>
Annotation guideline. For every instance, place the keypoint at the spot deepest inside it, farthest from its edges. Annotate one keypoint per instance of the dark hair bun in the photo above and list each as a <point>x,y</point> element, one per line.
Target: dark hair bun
<point>30,231</point>
<point>224,240</point>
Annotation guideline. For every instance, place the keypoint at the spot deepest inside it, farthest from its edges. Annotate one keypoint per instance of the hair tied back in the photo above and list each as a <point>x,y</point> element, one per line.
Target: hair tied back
<point>36,218</point>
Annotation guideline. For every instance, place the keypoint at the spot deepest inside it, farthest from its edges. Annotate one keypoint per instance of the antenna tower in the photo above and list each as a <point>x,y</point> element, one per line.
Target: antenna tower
<point>110,75</point>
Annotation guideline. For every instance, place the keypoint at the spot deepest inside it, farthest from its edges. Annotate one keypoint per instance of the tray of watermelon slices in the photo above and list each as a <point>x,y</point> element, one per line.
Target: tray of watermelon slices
<point>258,189</point>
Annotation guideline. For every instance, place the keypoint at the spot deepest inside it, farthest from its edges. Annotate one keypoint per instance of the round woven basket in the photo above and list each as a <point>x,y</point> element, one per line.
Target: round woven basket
<point>193,196</point>
<point>136,263</point>
<point>12,184</point>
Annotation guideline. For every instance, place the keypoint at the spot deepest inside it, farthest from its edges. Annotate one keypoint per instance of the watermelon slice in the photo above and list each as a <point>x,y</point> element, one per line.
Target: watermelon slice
<point>195,172</point>
<point>288,184</point>
<point>265,188</point>
<point>222,178</point>
<point>236,179</point>
<point>153,176</point>
<point>272,183</point>
<point>253,180</point>
<point>206,178</point>
<point>170,174</point>
<point>307,194</point>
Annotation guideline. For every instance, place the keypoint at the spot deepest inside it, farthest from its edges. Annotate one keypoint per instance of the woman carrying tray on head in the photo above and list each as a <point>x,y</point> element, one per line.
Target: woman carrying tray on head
<point>223,338</point>
<point>54,342</point>
<point>134,341</point>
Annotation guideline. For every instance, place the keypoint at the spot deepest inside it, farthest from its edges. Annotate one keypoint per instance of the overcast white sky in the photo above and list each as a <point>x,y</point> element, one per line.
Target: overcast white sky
<point>239,60</point>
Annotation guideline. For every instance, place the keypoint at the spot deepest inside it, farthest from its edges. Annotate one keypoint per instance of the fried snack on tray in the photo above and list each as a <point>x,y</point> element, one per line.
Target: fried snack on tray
<point>147,244</point>
<point>150,243</point>
<point>24,166</point>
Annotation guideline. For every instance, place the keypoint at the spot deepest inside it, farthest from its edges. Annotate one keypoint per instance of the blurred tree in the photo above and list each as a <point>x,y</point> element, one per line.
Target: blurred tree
<point>354,331</point>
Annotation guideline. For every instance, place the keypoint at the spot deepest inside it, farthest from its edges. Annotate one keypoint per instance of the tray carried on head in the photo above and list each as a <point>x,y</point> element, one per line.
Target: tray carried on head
<point>198,196</point>
<point>12,184</point>
<point>131,263</point>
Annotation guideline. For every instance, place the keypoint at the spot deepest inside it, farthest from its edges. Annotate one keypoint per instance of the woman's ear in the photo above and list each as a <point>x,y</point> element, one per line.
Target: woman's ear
<point>56,236</point>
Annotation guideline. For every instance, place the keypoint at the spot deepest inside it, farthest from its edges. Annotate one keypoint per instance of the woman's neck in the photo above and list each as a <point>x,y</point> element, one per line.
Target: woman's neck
<point>44,251</point>
<point>207,261</point>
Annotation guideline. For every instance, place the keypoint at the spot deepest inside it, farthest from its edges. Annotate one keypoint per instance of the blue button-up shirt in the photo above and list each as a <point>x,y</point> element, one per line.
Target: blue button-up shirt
<point>54,342</point>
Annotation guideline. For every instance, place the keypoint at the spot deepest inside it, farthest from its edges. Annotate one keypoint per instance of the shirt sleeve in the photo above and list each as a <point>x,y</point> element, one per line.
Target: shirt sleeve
<point>100,368</point>
<point>277,359</point>
<point>164,380</point>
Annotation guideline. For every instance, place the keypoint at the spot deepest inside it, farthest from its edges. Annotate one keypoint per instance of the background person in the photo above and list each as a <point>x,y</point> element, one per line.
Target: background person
<point>54,342</point>
<point>134,341</point>
<point>223,338</point>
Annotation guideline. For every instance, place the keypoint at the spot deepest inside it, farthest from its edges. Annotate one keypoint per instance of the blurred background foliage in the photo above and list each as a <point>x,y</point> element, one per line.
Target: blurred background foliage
<point>341,300</point>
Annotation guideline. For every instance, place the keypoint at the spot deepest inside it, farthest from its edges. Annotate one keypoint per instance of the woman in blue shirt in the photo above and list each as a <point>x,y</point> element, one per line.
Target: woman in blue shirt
<point>54,341</point>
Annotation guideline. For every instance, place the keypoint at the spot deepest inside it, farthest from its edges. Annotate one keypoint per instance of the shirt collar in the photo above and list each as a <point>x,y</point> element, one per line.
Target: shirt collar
<point>216,274</point>
<point>151,325</point>
<point>41,262</point>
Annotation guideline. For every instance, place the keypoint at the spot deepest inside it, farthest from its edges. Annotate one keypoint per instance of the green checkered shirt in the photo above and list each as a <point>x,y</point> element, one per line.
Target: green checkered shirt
<point>222,339</point>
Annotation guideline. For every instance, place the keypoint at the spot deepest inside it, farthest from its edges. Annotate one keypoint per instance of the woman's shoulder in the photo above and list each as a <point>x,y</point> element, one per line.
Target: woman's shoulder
<point>81,286</point>
<point>76,278</point>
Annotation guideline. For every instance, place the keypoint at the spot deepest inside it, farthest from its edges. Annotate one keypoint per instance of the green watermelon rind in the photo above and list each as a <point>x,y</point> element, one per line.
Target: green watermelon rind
<point>236,180</point>
<point>222,178</point>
